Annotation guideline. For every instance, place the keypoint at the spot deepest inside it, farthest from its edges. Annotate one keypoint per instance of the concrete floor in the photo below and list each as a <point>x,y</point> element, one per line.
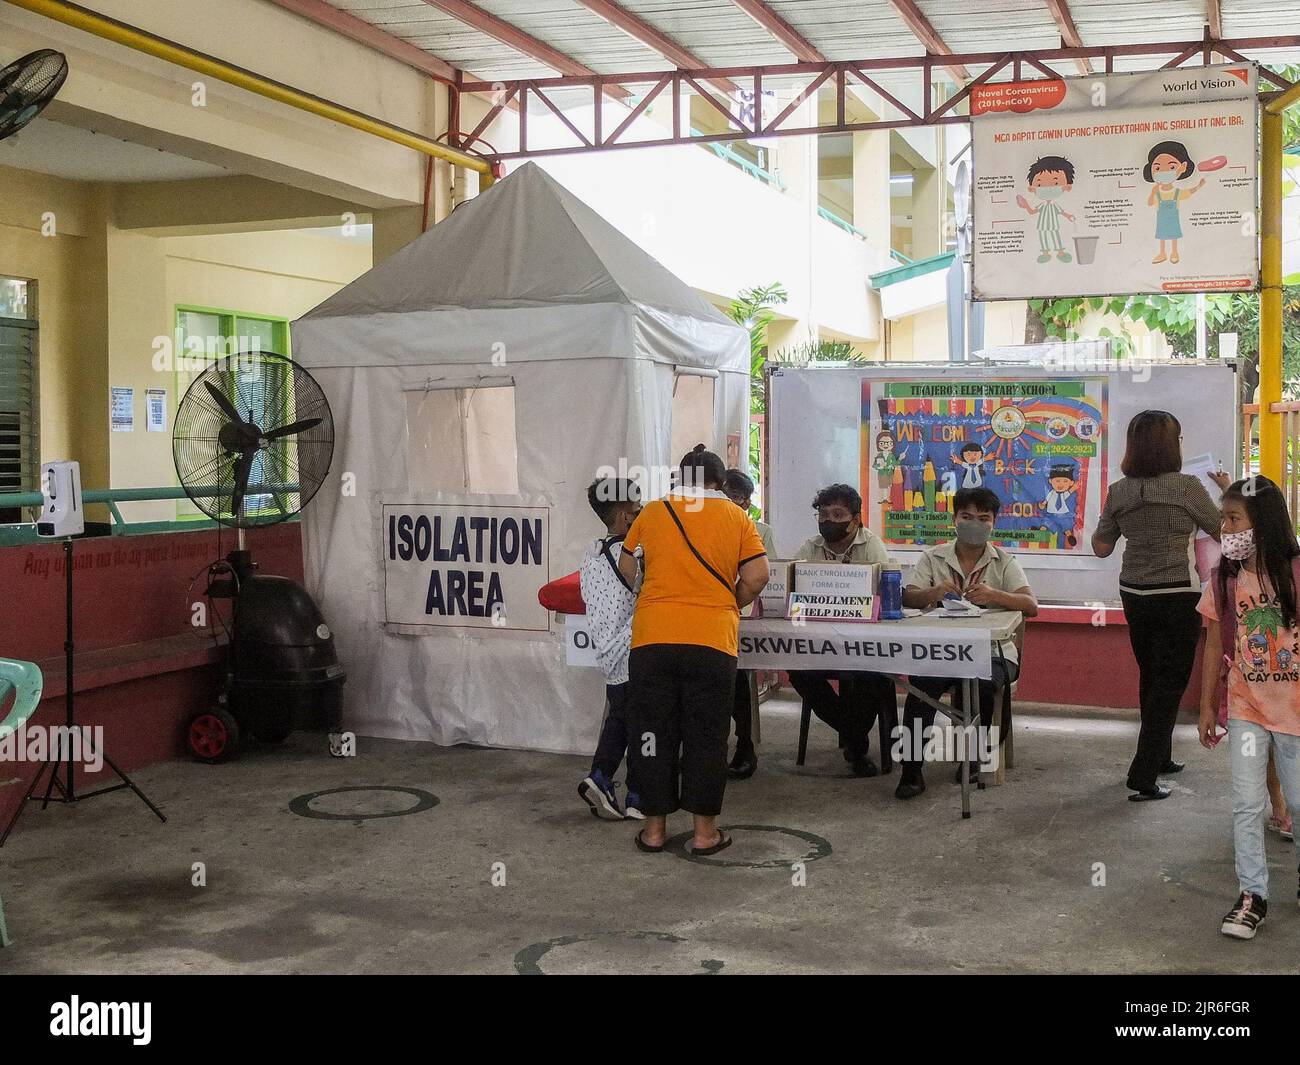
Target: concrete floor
<point>105,888</point>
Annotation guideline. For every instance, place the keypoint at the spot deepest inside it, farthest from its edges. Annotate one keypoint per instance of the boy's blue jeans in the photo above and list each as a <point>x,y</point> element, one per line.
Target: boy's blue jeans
<point>1248,747</point>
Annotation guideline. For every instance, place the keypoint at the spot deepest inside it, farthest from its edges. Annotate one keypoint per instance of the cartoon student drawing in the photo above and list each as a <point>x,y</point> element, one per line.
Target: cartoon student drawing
<point>1049,178</point>
<point>1168,162</point>
<point>886,458</point>
<point>1060,502</point>
<point>971,459</point>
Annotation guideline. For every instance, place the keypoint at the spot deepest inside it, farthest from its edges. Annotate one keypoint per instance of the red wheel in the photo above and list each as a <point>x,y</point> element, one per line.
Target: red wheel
<point>213,736</point>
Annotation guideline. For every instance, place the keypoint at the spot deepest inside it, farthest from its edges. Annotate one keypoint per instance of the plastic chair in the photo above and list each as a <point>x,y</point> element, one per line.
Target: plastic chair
<point>24,681</point>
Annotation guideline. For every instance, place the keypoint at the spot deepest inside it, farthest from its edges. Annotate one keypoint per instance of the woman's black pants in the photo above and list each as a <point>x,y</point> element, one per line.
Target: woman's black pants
<point>679,712</point>
<point>1163,630</point>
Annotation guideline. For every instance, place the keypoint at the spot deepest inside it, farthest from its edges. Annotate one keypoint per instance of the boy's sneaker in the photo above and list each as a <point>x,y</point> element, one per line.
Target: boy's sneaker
<point>1245,917</point>
<point>598,793</point>
<point>632,808</point>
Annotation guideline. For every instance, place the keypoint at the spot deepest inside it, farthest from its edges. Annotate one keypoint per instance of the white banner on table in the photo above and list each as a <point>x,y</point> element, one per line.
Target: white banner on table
<point>578,647</point>
<point>883,648</point>
<point>912,650</point>
<point>1122,183</point>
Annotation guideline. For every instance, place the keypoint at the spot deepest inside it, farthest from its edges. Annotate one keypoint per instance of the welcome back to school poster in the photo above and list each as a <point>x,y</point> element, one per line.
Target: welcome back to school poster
<point>1039,445</point>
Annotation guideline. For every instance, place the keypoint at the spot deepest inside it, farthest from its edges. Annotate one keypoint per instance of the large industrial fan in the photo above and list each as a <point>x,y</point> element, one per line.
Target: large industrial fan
<point>27,85</point>
<point>252,442</point>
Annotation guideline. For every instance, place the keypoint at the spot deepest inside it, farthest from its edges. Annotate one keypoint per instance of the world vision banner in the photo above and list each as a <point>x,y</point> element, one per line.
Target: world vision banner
<point>476,566</point>
<point>1116,184</point>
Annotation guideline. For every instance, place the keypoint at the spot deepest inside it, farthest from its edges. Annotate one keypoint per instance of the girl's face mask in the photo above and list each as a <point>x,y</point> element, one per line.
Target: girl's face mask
<point>1238,546</point>
<point>1172,173</point>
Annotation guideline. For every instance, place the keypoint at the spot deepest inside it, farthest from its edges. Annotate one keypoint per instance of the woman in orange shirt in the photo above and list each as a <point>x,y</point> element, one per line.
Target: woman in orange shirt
<point>703,561</point>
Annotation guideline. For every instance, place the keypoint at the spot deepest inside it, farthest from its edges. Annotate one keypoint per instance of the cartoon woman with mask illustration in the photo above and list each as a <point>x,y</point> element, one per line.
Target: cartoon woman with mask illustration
<point>1168,162</point>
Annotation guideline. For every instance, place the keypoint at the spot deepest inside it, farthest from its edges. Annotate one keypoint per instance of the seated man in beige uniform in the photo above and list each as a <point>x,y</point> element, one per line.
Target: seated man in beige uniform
<point>841,537</point>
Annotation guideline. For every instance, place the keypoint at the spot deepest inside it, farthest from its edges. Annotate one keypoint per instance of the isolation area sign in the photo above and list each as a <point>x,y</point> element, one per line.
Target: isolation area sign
<point>465,565</point>
<point>1038,444</point>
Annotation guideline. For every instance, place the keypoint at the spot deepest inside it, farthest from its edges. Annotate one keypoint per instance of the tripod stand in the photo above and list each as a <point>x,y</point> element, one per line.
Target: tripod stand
<point>67,787</point>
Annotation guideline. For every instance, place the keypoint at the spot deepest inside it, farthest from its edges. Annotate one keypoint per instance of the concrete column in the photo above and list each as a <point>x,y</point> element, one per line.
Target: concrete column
<point>871,210</point>
<point>794,160</point>
<point>927,211</point>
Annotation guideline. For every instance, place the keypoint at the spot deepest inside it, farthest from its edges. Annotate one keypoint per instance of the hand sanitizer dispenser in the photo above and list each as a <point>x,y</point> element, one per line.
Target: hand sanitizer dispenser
<point>62,514</point>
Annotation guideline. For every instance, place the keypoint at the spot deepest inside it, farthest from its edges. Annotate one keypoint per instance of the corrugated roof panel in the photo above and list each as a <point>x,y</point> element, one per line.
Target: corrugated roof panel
<point>722,35</point>
<point>441,35</point>
<point>870,29</point>
<point>578,32</point>
<point>1103,22</point>
<point>715,30</point>
<point>998,25</point>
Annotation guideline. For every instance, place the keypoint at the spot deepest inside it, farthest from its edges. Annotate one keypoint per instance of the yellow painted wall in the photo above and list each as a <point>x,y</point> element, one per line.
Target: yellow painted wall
<point>104,297</point>
<point>68,268</point>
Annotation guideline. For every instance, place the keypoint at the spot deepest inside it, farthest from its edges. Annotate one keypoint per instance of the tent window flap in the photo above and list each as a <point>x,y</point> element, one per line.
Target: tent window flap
<point>462,440</point>
<point>692,415</point>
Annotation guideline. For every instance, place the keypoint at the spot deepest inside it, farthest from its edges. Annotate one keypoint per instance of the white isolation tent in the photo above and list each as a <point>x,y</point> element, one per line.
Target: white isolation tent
<point>479,378</point>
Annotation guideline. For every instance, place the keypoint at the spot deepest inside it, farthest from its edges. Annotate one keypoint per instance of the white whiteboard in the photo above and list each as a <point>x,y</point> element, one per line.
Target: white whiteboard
<point>815,439</point>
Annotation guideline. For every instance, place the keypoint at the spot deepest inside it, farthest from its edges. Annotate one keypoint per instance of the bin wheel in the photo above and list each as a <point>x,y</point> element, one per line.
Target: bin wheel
<point>213,736</point>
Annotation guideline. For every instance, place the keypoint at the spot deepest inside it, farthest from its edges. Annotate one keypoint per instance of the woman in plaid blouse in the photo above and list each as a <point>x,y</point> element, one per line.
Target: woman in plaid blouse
<point>1158,510</point>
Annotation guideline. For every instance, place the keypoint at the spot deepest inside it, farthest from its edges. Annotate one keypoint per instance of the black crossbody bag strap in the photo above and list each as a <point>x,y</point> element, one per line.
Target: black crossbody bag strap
<point>699,558</point>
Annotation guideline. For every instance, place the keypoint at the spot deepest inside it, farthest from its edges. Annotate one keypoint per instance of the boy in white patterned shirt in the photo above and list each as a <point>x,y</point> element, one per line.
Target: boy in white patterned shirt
<point>610,602</point>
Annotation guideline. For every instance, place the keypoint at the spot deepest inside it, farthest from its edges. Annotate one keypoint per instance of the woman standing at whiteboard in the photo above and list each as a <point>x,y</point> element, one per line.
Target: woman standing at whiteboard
<point>1158,510</point>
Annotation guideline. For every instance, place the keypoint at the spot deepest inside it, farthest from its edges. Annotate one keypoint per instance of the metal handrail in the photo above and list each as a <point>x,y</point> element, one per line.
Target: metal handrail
<point>113,496</point>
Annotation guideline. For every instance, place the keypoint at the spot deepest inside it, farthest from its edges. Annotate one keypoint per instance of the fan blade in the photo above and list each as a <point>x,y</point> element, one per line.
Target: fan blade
<point>291,428</point>
<point>243,467</point>
<point>223,401</point>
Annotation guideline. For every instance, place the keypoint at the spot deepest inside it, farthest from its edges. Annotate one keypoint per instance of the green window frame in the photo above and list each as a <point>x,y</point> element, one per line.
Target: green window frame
<point>231,332</point>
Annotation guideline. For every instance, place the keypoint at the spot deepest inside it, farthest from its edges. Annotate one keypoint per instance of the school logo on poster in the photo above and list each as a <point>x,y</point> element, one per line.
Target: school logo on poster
<point>471,565</point>
<point>1124,183</point>
<point>1038,445</point>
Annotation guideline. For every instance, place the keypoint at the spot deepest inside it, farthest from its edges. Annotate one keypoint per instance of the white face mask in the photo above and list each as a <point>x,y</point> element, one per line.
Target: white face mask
<point>1238,546</point>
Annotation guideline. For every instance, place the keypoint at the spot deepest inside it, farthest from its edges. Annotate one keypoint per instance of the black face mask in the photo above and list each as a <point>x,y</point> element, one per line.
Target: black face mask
<point>833,531</point>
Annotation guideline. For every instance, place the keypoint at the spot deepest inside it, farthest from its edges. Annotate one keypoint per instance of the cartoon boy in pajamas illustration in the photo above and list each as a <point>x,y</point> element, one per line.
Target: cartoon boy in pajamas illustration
<point>1049,178</point>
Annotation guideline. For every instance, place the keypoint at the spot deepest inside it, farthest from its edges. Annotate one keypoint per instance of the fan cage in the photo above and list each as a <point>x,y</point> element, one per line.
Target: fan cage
<point>270,392</point>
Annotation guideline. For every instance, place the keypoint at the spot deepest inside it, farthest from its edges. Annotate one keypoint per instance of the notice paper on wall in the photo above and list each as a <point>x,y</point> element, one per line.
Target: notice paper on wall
<point>155,406</point>
<point>121,410</point>
<point>155,410</point>
<point>1110,184</point>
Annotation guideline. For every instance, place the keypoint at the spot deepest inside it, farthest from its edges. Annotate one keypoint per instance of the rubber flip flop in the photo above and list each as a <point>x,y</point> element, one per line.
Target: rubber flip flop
<point>1150,796</point>
<point>645,847</point>
<point>724,841</point>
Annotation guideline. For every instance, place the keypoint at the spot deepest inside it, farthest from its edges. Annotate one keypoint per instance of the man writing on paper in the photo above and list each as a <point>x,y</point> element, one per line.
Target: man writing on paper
<point>984,574</point>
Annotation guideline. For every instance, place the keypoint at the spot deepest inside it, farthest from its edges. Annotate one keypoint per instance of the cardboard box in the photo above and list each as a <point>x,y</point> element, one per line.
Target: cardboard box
<point>836,578</point>
<point>775,597</point>
<point>810,606</point>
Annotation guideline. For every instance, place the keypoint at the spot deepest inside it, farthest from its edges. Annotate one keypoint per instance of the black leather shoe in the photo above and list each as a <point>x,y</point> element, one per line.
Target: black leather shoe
<point>862,766</point>
<point>1172,767</point>
<point>1150,795</point>
<point>909,789</point>
<point>743,764</point>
